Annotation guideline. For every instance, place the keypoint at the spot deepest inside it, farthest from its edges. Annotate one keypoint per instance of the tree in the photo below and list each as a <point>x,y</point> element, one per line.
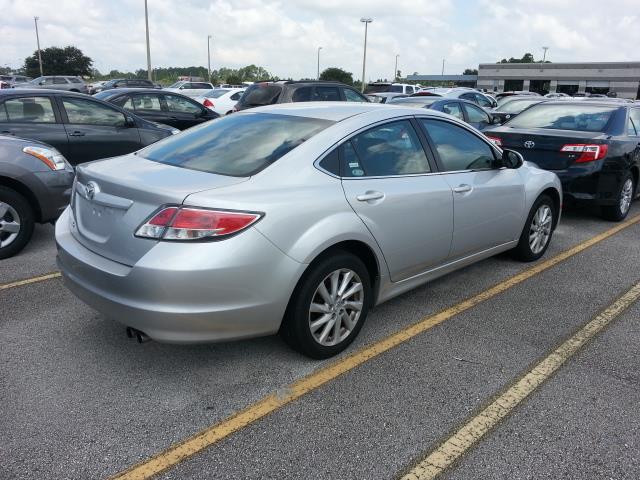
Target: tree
<point>337,75</point>
<point>470,71</point>
<point>59,61</point>
<point>526,58</point>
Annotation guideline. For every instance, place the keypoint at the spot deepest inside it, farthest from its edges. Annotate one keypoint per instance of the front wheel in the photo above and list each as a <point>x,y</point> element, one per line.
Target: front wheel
<point>619,211</point>
<point>537,232</point>
<point>16,222</point>
<point>328,307</point>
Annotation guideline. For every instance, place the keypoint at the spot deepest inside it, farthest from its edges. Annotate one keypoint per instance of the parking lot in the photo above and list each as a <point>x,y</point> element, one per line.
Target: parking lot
<point>81,400</point>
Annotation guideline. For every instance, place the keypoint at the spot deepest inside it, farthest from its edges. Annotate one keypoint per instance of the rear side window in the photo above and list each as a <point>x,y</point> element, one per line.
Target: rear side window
<point>60,81</point>
<point>238,145</point>
<point>261,94</point>
<point>87,112</point>
<point>302,94</point>
<point>634,121</point>
<point>30,110</point>
<point>582,118</point>
<point>326,94</point>
<point>182,105</point>
<point>74,80</point>
<point>147,102</point>
<point>454,109</point>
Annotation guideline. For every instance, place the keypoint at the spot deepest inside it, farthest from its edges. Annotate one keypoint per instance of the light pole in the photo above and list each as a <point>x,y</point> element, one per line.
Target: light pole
<point>209,56</point>
<point>146,21</point>
<point>544,55</point>
<point>35,19</point>
<point>319,48</point>
<point>395,72</point>
<point>443,67</point>
<point>366,22</point>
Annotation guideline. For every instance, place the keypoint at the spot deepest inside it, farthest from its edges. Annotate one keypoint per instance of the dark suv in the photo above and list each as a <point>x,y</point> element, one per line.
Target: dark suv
<point>268,93</point>
<point>125,83</point>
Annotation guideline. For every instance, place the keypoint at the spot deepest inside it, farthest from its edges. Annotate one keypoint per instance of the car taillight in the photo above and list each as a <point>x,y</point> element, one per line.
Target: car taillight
<point>588,153</point>
<point>191,223</point>
<point>208,103</point>
<point>495,140</point>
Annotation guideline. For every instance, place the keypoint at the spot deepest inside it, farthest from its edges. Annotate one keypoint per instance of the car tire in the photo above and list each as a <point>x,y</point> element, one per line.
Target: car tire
<point>16,222</point>
<point>538,230</point>
<point>624,197</point>
<point>320,320</point>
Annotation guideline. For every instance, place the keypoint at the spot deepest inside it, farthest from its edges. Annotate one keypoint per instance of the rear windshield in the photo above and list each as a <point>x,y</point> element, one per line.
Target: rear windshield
<point>260,94</point>
<point>237,145</point>
<point>583,118</point>
<point>517,106</point>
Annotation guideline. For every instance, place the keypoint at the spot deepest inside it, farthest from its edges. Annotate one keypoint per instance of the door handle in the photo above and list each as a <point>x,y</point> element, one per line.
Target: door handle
<point>76,134</point>
<point>464,188</point>
<point>368,196</point>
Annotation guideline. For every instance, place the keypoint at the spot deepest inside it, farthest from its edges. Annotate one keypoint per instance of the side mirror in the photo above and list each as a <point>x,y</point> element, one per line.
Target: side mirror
<point>495,120</point>
<point>181,87</point>
<point>512,159</point>
<point>129,122</point>
<point>42,82</point>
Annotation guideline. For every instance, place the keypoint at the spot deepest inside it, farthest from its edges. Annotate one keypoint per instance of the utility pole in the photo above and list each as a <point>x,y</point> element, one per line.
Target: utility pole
<point>209,56</point>
<point>395,72</point>
<point>146,21</point>
<point>35,19</point>
<point>443,67</point>
<point>319,48</point>
<point>544,55</point>
<point>366,22</point>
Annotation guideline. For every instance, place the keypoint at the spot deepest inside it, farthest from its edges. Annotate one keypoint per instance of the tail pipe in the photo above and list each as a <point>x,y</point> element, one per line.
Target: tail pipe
<point>141,337</point>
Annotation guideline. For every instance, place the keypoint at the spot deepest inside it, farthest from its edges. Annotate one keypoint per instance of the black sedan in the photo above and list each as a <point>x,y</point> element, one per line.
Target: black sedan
<point>511,108</point>
<point>594,147</point>
<point>466,111</point>
<point>35,187</point>
<point>168,108</point>
<point>80,127</point>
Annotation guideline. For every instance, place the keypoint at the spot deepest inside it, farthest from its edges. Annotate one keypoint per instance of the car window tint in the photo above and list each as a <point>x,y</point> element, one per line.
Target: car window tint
<point>302,94</point>
<point>634,116</point>
<point>147,102</point>
<point>238,145</point>
<point>468,96</point>
<point>352,96</point>
<point>261,94</point>
<point>458,148</point>
<point>87,112</point>
<point>75,80</point>
<point>124,102</point>
<point>30,110</point>
<point>182,105</point>
<point>389,149</point>
<point>186,86</point>
<point>326,94</point>
<point>201,86</point>
<point>454,109</point>
<point>60,81</point>
<point>331,163</point>
<point>476,114</point>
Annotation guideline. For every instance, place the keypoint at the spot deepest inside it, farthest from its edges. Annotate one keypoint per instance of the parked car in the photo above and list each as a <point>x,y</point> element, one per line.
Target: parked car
<point>220,100</point>
<point>124,83</point>
<point>468,112</point>
<point>159,106</point>
<point>269,93</point>
<point>35,186</point>
<point>190,89</point>
<point>594,147</point>
<point>384,97</point>
<point>389,87</point>
<point>469,94</point>
<point>80,127</point>
<point>9,81</point>
<point>295,218</point>
<point>96,87</point>
<point>56,82</point>
<point>513,107</point>
<point>557,95</point>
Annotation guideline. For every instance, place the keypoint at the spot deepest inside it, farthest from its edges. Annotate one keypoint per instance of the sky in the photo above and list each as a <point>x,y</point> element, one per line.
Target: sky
<point>283,36</point>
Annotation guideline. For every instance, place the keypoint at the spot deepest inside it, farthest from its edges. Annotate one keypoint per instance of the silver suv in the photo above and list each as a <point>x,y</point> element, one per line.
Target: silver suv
<point>55,82</point>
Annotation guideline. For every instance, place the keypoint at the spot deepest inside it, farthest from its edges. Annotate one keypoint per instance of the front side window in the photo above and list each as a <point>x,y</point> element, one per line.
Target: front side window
<point>634,120</point>
<point>238,145</point>
<point>556,116</point>
<point>86,112</point>
<point>60,81</point>
<point>182,105</point>
<point>352,96</point>
<point>30,110</point>
<point>149,102</point>
<point>326,94</point>
<point>124,102</point>
<point>476,115</point>
<point>390,149</point>
<point>75,80</point>
<point>454,109</point>
<point>483,101</point>
<point>458,148</point>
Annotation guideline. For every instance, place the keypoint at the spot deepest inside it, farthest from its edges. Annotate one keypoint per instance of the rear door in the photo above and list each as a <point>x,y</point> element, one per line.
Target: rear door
<point>488,202</point>
<point>389,182</point>
<point>96,130</point>
<point>184,112</point>
<point>34,117</point>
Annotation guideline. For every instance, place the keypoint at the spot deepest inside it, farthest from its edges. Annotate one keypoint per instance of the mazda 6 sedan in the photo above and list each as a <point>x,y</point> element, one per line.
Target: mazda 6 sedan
<point>295,218</point>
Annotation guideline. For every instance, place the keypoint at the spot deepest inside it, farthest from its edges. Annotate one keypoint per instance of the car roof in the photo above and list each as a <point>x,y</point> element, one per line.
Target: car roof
<point>38,91</point>
<point>117,91</point>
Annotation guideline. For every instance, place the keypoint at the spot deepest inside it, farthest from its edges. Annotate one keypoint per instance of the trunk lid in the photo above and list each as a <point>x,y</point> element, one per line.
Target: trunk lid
<point>113,197</point>
<point>545,150</point>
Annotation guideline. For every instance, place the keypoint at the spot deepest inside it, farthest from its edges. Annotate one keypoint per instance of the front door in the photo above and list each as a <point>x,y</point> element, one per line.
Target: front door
<point>489,202</point>
<point>388,181</point>
<point>184,112</point>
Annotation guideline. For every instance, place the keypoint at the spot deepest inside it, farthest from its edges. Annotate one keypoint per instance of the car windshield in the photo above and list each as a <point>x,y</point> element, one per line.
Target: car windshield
<point>260,94</point>
<point>517,106</point>
<point>583,118</point>
<point>176,85</point>
<point>238,145</point>
<point>218,92</point>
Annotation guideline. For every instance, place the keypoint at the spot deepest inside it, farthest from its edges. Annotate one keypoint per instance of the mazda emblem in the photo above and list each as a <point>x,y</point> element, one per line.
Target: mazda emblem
<point>91,189</point>
<point>529,144</point>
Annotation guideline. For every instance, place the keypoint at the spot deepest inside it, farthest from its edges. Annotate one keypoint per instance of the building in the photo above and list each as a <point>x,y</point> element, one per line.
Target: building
<point>621,78</point>
<point>443,80</point>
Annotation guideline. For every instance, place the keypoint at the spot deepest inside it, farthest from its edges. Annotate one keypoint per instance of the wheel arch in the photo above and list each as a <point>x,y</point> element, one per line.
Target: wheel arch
<point>23,190</point>
<point>557,202</point>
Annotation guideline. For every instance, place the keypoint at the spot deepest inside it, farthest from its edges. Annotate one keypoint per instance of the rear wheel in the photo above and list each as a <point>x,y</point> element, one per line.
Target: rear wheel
<point>328,307</point>
<point>537,232</point>
<point>16,222</point>
<point>619,211</point>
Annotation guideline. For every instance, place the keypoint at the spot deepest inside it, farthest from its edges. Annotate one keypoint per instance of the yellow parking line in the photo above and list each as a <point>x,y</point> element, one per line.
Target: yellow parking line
<point>209,436</point>
<point>449,451</point>
<point>29,281</point>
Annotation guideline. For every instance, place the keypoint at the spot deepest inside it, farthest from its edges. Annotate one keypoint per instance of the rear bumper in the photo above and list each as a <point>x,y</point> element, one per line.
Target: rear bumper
<point>186,293</point>
<point>590,185</point>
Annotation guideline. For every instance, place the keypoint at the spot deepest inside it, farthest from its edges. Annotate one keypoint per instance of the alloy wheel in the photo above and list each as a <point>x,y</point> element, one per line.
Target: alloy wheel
<point>335,307</point>
<point>626,196</point>
<point>9,224</point>
<point>540,229</point>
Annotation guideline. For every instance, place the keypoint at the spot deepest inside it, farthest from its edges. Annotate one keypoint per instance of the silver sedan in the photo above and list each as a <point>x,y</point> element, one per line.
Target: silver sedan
<point>296,218</point>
